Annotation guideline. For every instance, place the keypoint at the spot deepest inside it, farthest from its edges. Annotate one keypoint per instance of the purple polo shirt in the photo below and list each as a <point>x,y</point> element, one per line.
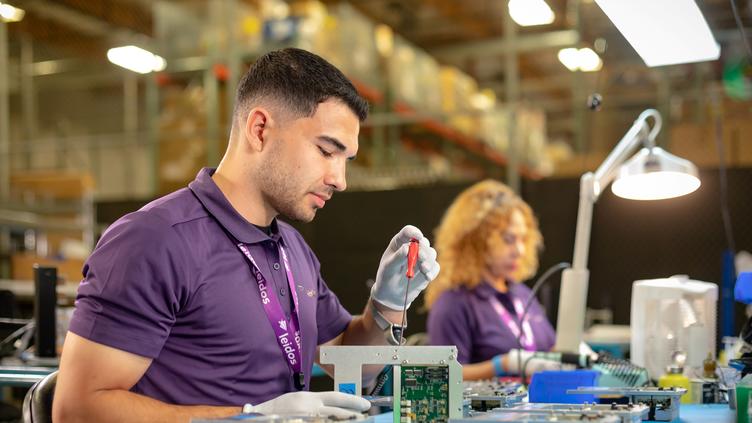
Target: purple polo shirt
<point>466,318</point>
<point>167,282</point>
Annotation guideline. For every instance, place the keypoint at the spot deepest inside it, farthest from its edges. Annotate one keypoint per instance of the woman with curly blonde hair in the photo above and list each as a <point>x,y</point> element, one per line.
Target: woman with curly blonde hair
<point>488,242</point>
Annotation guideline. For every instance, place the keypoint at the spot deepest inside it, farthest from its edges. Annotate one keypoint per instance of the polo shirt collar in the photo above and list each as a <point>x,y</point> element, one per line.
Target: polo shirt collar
<point>215,202</point>
<point>484,290</point>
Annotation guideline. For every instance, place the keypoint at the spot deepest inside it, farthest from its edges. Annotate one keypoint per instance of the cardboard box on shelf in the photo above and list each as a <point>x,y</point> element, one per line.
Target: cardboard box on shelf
<point>467,123</point>
<point>737,135</point>
<point>578,164</point>
<point>696,143</point>
<point>403,75</point>
<point>358,39</point>
<point>493,127</point>
<point>64,185</point>
<point>22,267</point>
<point>427,69</point>
<point>531,130</point>
<point>457,88</point>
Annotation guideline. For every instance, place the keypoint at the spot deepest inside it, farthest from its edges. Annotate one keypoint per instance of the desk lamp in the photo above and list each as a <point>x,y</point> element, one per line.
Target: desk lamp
<point>652,174</point>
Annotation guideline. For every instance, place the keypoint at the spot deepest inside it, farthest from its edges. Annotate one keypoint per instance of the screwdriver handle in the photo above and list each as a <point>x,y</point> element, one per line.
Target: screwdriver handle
<point>412,258</point>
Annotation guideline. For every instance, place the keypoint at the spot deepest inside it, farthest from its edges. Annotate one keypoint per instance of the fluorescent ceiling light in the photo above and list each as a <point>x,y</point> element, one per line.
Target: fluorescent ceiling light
<point>9,13</point>
<point>530,12</point>
<point>136,59</point>
<point>584,59</point>
<point>570,57</point>
<point>663,32</point>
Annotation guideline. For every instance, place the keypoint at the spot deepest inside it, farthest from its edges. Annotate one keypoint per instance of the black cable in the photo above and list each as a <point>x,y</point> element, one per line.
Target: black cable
<point>381,380</point>
<point>533,291</point>
<point>741,28</point>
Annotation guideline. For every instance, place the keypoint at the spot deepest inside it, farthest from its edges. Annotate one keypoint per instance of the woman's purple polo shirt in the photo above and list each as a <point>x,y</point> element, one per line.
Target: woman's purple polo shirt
<point>168,283</point>
<point>466,318</point>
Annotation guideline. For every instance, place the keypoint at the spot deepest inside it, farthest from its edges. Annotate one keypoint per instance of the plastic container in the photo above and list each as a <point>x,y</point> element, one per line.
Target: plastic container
<point>675,378</point>
<point>672,314</point>
<point>551,386</point>
<point>744,399</point>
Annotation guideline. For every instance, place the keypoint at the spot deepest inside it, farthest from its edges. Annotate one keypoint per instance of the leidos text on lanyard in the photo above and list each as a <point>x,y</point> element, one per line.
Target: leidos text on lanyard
<point>282,327</point>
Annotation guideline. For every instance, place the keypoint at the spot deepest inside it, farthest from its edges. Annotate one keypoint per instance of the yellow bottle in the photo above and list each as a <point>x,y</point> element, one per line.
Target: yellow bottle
<point>674,377</point>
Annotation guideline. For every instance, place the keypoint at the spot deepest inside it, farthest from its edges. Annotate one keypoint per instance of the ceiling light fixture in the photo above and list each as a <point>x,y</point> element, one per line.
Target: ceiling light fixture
<point>663,32</point>
<point>583,59</point>
<point>136,59</point>
<point>10,13</point>
<point>530,12</point>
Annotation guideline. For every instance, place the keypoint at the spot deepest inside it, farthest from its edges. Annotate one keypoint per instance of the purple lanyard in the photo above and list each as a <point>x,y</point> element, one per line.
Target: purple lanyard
<point>291,348</point>
<point>527,340</point>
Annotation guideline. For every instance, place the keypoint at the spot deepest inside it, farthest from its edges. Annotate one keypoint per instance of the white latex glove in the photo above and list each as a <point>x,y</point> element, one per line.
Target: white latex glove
<point>324,404</point>
<point>515,359</point>
<point>389,288</point>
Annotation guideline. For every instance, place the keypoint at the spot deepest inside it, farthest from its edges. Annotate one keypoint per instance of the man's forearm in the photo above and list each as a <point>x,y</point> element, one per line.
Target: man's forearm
<point>363,330</point>
<point>127,407</point>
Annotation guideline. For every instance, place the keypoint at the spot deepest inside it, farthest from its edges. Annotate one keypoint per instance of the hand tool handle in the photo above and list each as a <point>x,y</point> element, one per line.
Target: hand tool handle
<point>412,258</point>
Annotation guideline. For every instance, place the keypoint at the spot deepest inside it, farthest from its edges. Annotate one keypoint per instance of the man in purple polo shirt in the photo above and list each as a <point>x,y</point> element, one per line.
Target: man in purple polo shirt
<point>203,302</point>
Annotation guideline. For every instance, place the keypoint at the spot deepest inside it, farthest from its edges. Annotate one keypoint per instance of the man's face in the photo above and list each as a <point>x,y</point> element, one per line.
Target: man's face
<point>306,160</point>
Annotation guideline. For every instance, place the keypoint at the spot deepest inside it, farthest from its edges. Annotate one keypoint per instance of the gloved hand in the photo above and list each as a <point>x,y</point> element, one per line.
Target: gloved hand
<point>325,404</point>
<point>514,360</point>
<point>389,288</point>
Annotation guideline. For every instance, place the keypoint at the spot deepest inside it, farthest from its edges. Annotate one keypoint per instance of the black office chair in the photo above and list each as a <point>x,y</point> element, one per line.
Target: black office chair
<point>37,405</point>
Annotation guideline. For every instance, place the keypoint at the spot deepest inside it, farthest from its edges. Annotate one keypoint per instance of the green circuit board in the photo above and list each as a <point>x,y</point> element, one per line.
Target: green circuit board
<point>423,394</point>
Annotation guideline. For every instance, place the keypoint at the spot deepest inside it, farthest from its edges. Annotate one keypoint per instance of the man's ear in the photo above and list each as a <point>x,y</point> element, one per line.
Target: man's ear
<point>255,129</point>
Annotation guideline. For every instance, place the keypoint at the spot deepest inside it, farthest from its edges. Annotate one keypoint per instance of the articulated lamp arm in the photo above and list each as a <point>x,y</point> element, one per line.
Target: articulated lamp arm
<point>574,281</point>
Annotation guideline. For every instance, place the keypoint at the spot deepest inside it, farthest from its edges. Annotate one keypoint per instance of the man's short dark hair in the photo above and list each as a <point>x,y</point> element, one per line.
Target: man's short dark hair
<point>298,81</point>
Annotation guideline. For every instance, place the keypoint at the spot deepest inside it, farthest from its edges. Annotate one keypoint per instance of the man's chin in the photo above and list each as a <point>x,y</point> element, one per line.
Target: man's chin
<point>300,216</point>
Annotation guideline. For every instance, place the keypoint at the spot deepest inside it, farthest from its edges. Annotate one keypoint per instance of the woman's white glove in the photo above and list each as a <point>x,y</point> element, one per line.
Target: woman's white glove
<point>514,360</point>
<point>325,404</point>
<point>389,288</point>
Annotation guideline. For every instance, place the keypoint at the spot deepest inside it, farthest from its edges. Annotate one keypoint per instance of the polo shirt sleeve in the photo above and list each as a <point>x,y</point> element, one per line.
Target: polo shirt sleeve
<point>131,290</point>
<point>449,324</point>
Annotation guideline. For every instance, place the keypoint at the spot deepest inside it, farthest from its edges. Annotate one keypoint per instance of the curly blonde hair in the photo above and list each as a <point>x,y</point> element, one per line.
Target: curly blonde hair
<point>461,238</point>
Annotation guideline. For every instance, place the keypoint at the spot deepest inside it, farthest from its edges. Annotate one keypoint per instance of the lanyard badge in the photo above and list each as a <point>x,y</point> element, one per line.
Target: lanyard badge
<point>287,331</point>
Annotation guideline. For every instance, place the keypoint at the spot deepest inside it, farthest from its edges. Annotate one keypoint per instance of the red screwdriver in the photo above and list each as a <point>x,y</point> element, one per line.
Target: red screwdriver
<point>412,258</point>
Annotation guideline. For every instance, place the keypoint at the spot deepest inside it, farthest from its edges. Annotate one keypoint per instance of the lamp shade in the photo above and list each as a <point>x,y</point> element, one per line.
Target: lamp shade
<point>654,174</point>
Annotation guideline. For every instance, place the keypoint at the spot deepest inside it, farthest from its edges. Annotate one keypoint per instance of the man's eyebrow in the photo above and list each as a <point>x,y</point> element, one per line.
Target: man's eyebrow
<point>336,143</point>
